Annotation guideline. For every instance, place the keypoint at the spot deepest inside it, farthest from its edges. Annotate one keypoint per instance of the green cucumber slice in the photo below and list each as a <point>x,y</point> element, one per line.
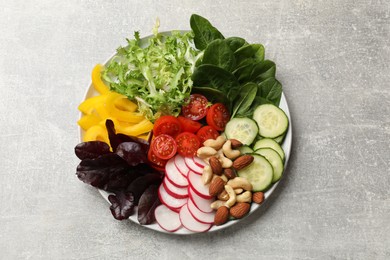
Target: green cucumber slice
<point>259,173</point>
<point>280,138</point>
<point>272,121</point>
<point>243,129</point>
<point>274,159</point>
<point>269,143</point>
<point>245,149</point>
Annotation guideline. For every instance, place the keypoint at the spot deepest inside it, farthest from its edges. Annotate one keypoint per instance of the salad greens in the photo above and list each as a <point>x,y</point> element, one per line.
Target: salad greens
<point>162,75</point>
<point>157,76</point>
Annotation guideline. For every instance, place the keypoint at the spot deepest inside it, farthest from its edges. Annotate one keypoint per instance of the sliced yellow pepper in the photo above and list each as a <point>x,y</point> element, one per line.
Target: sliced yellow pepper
<point>89,104</point>
<point>125,104</point>
<point>96,133</point>
<point>88,121</point>
<point>126,116</point>
<point>142,127</point>
<point>97,80</point>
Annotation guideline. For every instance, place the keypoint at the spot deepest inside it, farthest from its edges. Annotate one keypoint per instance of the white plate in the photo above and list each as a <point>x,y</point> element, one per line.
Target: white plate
<point>182,231</point>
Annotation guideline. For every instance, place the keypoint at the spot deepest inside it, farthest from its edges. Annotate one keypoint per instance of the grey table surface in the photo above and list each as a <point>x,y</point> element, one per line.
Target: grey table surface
<point>333,60</point>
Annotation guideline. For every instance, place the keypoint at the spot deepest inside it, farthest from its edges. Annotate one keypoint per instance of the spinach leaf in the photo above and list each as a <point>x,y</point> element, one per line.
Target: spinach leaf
<point>218,53</point>
<point>251,52</point>
<point>213,95</point>
<point>271,90</point>
<point>263,70</point>
<point>204,32</point>
<point>235,43</point>
<point>245,98</point>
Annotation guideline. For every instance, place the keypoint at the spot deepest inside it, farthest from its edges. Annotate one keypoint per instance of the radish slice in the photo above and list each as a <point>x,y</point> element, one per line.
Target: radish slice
<point>167,219</point>
<point>200,162</point>
<point>169,201</point>
<point>190,223</point>
<point>181,165</point>
<point>174,191</point>
<point>173,174</point>
<point>193,166</point>
<point>201,203</point>
<point>196,183</point>
<point>207,218</point>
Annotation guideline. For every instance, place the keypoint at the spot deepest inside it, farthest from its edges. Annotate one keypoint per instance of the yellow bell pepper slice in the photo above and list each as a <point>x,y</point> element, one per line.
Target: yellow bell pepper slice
<point>125,104</point>
<point>97,81</point>
<point>145,126</point>
<point>88,105</point>
<point>125,116</point>
<point>88,121</point>
<point>96,133</point>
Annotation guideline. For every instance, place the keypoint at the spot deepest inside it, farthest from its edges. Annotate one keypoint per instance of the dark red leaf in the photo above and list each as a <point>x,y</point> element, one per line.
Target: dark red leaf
<point>122,205</point>
<point>133,153</point>
<point>147,204</point>
<point>139,185</point>
<point>91,150</point>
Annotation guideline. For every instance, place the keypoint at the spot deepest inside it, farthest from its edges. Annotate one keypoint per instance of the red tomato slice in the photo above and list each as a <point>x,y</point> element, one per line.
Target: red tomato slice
<point>207,132</point>
<point>188,125</point>
<point>168,125</point>
<point>187,144</point>
<point>196,108</point>
<point>218,116</point>
<point>164,146</point>
<point>155,162</point>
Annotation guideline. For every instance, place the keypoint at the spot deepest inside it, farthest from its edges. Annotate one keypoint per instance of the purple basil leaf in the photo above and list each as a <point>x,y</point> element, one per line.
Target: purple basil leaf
<point>108,172</point>
<point>117,139</point>
<point>132,153</point>
<point>91,150</point>
<point>139,185</point>
<point>147,204</point>
<point>122,205</point>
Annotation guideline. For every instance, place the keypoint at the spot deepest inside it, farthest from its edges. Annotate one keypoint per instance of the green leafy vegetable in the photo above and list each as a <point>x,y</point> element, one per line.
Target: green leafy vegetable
<point>218,53</point>
<point>157,76</point>
<point>204,32</point>
<point>245,98</point>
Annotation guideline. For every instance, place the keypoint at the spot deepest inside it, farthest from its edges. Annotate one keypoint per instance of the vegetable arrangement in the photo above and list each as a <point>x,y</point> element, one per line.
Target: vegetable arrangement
<point>186,130</point>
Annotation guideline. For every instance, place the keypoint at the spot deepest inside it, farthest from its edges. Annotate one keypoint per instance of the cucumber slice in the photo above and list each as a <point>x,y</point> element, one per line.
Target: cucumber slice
<point>259,173</point>
<point>274,159</point>
<point>280,138</point>
<point>269,143</point>
<point>243,129</point>
<point>245,149</point>
<point>272,121</point>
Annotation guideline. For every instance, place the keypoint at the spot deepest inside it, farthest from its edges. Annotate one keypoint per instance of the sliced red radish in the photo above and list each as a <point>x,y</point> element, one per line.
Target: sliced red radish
<point>174,191</point>
<point>193,166</point>
<point>173,174</point>
<point>207,218</point>
<point>167,219</point>
<point>181,165</point>
<point>190,223</point>
<point>200,162</point>
<point>201,203</point>
<point>196,183</point>
<point>169,201</point>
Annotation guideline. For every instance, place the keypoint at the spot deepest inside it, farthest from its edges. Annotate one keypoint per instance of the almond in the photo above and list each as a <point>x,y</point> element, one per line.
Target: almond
<point>242,161</point>
<point>221,216</point>
<point>216,186</point>
<point>215,165</point>
<point>223,196</point>
<point>229,173</point>
<point>258,197</point>
<point>235,143</point>
<point>240,210</point>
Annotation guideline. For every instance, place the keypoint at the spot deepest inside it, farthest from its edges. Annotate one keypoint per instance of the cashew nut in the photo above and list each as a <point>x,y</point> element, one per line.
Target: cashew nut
<point>223,196</point>
<point>229,152</point>
<point>215,143</point>
<point>238,191</point>
<point>232,196</point>
<point>205,152</point>
<point>245,197</point>
<point>223,177</point>
<point>207,174</point>
<point>226,162</point>
<point>216,204</point>
<point>240,182</point>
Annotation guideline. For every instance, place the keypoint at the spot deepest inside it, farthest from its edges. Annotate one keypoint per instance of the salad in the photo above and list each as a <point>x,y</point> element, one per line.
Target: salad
<point>185,129</point>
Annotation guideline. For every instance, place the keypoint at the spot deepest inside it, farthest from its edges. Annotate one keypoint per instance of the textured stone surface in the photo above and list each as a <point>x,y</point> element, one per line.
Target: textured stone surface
<point>333,59</point>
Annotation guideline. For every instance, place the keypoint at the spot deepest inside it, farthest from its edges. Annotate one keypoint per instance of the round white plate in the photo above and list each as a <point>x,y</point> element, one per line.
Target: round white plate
<point>182,231</point>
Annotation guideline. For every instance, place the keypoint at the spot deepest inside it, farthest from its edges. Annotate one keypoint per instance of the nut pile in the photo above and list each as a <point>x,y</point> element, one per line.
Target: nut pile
<point>233,193</point>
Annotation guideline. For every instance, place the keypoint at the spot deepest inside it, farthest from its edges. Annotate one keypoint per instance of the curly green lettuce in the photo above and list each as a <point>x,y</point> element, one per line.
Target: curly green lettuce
<point>157,74</point>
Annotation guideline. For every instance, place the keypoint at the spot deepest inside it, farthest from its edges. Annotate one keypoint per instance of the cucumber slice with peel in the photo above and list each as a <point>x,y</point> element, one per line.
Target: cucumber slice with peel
<point>272,120</point>
<point>274,159</point>
<point>259,173</point>
<point>245,149</point>
<point>243,129</point>
<point>269,143</point>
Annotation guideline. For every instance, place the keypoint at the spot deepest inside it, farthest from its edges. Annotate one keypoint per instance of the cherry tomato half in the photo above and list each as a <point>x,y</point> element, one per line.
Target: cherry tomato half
<point>207,132</point>
<point>218,116</point>
<point>168,125</point>
<point>196,108</point>
<point>187,144</point>
<point>155,162</point>
<point>164,146</point>
<point>188,125</point>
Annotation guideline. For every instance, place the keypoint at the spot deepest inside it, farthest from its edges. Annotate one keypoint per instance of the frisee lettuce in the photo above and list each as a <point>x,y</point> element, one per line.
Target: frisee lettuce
<point>157,76</point>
